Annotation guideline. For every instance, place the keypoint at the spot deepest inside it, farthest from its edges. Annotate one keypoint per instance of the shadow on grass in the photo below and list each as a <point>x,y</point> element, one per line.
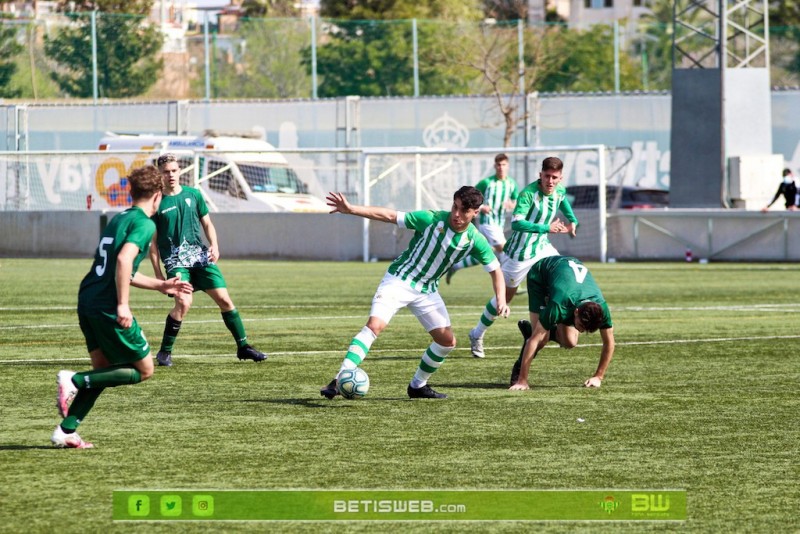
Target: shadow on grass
<point>27,447</point>
<point>323,403</point>
<point>496,385</point>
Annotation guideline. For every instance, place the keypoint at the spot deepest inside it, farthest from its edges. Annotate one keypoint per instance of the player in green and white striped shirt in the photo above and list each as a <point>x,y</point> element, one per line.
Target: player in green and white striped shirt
<point>534,217</point>
<point>441,238</point>
<point>500,193</point>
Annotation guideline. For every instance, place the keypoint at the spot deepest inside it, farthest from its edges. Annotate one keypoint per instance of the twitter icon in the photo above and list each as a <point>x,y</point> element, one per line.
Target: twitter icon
<point>171,505</point>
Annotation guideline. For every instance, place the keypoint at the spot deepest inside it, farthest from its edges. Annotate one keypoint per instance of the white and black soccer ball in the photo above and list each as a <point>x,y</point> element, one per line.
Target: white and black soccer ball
<point>353,383</point>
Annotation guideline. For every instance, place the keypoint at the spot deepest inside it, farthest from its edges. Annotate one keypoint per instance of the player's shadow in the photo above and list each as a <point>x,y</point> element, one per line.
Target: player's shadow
<point>308,403</point>
<point>27,447</point>
<point>475,385</point>
<point>495,385</point>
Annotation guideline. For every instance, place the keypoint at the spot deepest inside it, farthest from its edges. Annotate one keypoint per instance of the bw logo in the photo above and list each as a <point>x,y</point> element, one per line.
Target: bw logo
<point>644,502</point>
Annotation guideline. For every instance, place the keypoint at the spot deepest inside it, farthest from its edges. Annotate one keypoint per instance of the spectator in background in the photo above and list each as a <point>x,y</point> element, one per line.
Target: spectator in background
<point>789,191</point>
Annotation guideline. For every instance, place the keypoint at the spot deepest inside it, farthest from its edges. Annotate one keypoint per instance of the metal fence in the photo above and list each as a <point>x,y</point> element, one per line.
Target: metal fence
<point>310,58</point>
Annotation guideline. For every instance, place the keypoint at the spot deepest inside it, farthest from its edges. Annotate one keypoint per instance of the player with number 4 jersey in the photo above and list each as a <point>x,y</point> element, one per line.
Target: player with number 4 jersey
<point>564,300</point>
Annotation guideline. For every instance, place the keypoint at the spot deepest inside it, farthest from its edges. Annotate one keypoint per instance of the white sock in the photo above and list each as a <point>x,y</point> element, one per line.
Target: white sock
<point>358,349</point>
<point>487,318</point>
<point>431,360</point>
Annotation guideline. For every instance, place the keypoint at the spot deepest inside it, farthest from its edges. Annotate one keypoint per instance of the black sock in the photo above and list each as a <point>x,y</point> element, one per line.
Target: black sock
<point>171,330</point>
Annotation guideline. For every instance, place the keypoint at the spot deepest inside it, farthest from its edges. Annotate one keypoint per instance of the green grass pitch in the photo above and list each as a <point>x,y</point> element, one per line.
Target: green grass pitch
<point>702,395</point>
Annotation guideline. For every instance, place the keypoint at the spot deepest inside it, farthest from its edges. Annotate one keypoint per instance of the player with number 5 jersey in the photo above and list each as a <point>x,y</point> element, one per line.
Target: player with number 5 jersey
<point>118,350</point>
<point>564,300</point>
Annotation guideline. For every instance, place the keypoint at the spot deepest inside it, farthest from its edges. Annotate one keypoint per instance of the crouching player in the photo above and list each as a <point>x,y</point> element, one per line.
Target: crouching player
<point>563,300</point>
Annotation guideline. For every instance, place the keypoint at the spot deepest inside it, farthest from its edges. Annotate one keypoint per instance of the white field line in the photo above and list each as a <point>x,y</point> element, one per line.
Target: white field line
<point>770,308</point>
<point>419,350</point>
<point>767,308</point>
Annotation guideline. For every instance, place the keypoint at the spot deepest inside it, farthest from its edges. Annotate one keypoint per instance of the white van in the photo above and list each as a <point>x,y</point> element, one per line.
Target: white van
<point>236,173</point>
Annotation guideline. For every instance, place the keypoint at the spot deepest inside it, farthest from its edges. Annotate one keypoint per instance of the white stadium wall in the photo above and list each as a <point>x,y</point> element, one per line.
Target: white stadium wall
<point>716,235</point>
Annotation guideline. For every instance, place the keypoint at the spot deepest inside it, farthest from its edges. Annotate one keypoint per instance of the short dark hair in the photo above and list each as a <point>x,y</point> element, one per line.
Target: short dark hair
<point>145,182</point>
<point>787,172</point>
<point>470,197</point>
<point>552,164</point>
<point>163,159</point>
<point>500,157</point>
<point>590,315</point>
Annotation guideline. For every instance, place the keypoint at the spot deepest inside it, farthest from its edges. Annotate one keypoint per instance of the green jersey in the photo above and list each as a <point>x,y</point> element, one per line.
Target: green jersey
<point>436,247</point>
<point>495,195</point>
<point>557,285</point>
<point>531,221</point>
<point>98,290</point>
<point>180,234</point>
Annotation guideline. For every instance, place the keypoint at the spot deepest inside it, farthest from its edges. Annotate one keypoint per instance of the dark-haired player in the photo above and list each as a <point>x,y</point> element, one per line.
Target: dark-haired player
<point>564,300</point>
<point>441,238</point>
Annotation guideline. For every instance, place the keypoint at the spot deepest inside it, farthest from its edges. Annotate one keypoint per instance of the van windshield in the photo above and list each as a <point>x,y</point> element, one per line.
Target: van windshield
<point>263,179</point>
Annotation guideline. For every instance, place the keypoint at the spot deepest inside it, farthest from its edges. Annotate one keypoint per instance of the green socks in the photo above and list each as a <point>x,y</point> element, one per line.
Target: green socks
<point>236,327</point>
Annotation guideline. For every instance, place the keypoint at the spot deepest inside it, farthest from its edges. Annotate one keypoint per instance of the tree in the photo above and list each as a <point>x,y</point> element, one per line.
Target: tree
<point>491,51</point>
<point>375,58</point>
<point>585,63</point>
<point>270,63</point>
<point>784,27</point>
<point>555,59</point>
<point>401,9</point>
<point>370,57</point>
<point>506,9</point>
<point>269,8</point>
<point>784,13</point>
<point>9,49</point>
<point>127,49</point>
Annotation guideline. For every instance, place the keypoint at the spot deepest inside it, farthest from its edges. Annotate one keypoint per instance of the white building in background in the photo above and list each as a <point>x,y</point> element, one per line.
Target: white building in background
<point>584,13</point>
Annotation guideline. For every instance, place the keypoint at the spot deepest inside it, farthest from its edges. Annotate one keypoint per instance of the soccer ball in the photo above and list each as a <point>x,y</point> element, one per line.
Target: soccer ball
<point>352,383</point>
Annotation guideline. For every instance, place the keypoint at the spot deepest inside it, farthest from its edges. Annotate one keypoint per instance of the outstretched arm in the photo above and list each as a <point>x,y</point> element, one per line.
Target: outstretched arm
<point>339,204</point>
<point>168,287</point>
<point>607,352</point>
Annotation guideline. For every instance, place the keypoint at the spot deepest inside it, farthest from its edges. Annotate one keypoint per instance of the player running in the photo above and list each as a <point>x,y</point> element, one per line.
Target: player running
<point>500,194</point>
<point>118,350</point>
<point>534,217</point>
<point>441,238</point>
<point>564,300</point>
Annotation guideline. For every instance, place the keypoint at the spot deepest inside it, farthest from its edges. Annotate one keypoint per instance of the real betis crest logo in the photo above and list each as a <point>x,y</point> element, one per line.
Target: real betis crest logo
<point>609,504</point>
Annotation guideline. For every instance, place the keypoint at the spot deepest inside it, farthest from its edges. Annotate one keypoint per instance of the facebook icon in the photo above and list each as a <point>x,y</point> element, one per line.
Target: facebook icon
<point>138,505</point>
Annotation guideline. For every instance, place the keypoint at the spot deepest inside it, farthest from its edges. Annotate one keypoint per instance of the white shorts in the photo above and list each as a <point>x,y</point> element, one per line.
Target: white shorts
<point>515,271</point>
<point>393,294</point>
<point>494,234</point>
